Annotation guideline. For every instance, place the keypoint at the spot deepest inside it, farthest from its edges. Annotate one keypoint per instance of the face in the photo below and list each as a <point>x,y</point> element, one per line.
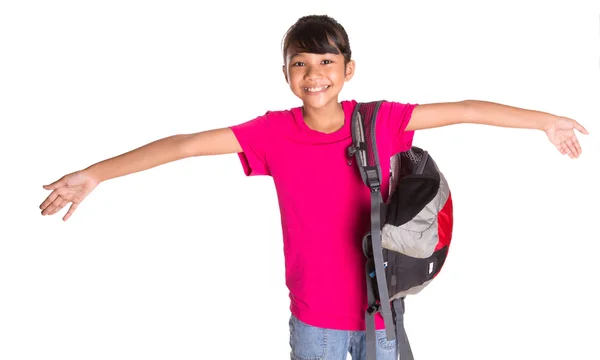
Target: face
<point>317,79</point>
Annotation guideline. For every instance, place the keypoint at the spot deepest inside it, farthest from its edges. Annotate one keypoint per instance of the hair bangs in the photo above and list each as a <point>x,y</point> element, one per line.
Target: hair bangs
<point>314,40</point>
<point>316,34</point>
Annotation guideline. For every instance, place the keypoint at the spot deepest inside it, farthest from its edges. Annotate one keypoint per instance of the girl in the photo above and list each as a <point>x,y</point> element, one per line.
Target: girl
<point>323,203</point>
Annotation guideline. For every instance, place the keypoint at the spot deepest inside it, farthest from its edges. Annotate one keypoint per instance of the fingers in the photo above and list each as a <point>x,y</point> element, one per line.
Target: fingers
<point>567,140</point>
<point>53,206</point>
<point>58,183</point>
<point>569,148</point>
<point>55,202</point>
<point>49,200</point>
<point>572,146</point>
<point>50,210</point>
<point>68,189</point>
<point>71,211</point>
<point>566,150</point>
<point>580,128</point>
<point>58,204</point>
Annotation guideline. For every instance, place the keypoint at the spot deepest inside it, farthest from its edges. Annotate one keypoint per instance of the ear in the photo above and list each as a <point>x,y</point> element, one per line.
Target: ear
<point>284,69</point>
<point>350,66</point>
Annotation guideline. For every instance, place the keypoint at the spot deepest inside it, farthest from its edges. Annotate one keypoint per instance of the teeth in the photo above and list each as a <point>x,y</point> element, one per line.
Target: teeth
<point>316,89</point>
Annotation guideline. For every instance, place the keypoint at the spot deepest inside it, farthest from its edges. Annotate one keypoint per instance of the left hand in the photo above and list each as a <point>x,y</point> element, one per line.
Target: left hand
<point>71,188</point>
<point>560,131</point>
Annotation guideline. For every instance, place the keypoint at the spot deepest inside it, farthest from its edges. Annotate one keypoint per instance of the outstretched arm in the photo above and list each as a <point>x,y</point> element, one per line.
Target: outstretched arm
<point>169,149</point>
<point>75,187</point>
<point>560,130</point>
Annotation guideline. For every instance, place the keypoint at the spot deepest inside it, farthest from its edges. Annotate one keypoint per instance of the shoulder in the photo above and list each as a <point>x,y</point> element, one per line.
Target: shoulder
<point>387,105</point>
<point>277,116</point>
<point>388,110</point>
<point>269,120</point>
<point>397,107</point>
<point>274,117</point>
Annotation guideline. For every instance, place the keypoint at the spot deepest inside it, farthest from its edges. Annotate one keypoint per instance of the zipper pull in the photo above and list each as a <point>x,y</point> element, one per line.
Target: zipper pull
<point>350,152</point>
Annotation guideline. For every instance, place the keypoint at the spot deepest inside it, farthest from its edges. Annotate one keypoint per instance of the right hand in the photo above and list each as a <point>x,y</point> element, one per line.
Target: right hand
<point>71,188</point>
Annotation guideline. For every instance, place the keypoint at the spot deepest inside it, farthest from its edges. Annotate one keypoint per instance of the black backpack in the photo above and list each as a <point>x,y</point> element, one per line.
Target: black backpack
<point>410,232</point>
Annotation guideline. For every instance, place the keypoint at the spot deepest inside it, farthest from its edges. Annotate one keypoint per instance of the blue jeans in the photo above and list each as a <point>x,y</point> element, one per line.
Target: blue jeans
<point>313,343</point>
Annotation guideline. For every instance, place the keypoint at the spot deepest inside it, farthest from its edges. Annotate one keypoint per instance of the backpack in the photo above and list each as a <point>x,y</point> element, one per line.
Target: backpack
<point>410,232</point>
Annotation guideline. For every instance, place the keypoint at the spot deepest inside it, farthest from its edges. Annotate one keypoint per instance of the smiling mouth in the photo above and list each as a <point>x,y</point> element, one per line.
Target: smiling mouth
<point>315,90</point>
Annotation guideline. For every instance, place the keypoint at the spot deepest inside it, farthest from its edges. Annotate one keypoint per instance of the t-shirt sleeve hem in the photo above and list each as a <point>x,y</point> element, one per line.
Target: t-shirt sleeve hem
<point>251,164</point>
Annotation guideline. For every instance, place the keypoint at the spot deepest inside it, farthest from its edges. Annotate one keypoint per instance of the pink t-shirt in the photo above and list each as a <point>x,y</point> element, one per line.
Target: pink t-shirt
<point>324,206</point>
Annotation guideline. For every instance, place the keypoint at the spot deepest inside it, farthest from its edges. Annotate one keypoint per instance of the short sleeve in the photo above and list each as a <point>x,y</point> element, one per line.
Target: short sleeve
<point>252,136</point>
<point>395,123</point>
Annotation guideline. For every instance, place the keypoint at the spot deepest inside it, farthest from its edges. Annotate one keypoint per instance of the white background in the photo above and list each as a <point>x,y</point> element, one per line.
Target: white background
<point>185,261</point>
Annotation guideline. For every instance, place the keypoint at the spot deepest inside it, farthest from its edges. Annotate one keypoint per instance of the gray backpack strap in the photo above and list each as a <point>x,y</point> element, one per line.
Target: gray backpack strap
<point>402,343</point>
<point>370,334</point>
<point>364,149</point>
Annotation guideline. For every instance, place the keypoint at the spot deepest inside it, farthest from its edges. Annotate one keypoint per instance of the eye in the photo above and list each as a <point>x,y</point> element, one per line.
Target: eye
<point>298,63</point>
<point>326,62</point>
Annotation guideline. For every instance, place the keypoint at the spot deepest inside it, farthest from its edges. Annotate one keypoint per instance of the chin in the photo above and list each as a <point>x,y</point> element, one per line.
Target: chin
<point>317,103</point>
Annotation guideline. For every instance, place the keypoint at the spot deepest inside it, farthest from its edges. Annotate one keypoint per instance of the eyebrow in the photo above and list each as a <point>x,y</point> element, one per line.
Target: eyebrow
<point>293,55</point>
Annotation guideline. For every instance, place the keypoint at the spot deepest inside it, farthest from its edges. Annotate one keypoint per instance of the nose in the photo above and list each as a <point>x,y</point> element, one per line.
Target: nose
<point>313,72</point>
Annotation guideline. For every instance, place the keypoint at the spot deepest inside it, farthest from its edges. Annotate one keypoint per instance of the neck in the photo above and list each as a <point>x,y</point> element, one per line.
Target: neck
<point>327,119</point>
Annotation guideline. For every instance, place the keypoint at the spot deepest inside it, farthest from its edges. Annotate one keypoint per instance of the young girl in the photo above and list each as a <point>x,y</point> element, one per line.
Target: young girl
<point>323,203</point>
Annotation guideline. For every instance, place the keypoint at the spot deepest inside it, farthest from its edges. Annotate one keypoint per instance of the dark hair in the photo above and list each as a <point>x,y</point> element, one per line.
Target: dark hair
<point>317,34</point>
